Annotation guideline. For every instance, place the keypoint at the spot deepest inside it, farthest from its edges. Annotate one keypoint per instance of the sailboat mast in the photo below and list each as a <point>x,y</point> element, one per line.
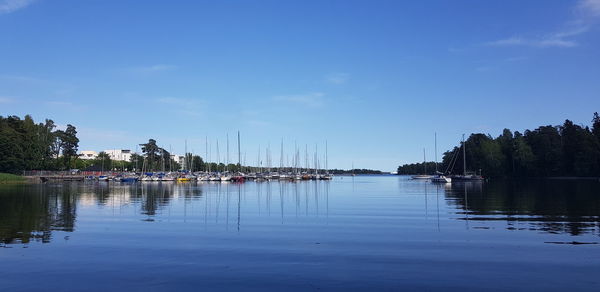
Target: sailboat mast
<point>239,152</point>
<point>326,159</point>
<point>185,159</point>
<point>436,161</point>
<point>227,162</point>
<point>281,157</point>
<point>218,156</point>
<point>306,157</point>
<point>424,162</point>
<point>137,157</point>
<point>170,163</point>
<point>464,156</point>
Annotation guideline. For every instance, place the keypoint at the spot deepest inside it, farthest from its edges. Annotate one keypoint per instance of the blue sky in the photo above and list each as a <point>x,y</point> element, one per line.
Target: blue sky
<point>375,79</point>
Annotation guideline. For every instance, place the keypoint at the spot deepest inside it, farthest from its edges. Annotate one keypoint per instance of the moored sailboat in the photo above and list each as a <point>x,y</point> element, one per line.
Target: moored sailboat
<point>424,175</point>
<point>439,177</point>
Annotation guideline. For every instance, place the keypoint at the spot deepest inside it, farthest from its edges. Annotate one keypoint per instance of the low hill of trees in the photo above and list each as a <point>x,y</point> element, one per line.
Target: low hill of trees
<point>548,151</point>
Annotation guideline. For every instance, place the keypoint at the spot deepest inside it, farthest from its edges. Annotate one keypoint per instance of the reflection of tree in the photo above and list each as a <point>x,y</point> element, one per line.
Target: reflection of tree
<point>31,212</point>
<point>555,206</point>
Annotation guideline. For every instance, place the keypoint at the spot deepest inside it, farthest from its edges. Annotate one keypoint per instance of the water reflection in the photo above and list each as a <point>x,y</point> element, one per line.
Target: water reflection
<point>32,217</point>
<point>32,212</point>
<point>551,206</point>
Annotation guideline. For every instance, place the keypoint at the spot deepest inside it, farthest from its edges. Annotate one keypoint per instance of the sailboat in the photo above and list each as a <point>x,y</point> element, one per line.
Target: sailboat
<point>466,176</point>
<point>424,175</point>
<point>327,175</point>
<point>439,177</point>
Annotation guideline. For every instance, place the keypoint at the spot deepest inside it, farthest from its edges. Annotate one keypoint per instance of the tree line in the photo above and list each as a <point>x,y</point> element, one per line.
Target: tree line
<point>547,151</point>
<point>26,145</point>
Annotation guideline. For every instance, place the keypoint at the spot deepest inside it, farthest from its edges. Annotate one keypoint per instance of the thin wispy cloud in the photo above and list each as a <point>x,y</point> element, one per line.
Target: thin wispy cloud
<point>516,59</point>
<point>544,42</point>
<point>337,78</point>
<point>315,99</point>
<point>105,138</point>
<point>149,70</point>
<point>483,68</point>
<point>24,79</point>
<point>186,102</point>
<point>6,99</point>
<point>588,8</point>
<point>66,105</point>
<point>8,6</point>
<point>183,106</point>
<point>585,13</point>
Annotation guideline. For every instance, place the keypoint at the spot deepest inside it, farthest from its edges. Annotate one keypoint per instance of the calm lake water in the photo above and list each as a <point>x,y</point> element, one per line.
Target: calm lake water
<point>361,233</point>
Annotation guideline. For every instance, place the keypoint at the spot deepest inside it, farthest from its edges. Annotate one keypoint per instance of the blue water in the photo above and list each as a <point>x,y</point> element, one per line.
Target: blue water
<point>361,233</point>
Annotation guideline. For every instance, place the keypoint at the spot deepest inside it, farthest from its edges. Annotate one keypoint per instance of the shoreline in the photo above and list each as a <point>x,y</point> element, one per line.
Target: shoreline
<point>8,178</point>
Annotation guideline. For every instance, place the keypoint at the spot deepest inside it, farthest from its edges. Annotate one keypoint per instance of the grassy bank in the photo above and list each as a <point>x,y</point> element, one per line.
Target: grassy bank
<point>11,178</point>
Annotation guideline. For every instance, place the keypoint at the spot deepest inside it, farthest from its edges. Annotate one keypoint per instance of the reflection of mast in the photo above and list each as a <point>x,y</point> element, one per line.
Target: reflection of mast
<point>297,199</point>
<point>437,199</point>
<point>239,202</point>
<point>466,207</point>
<point>218,203</point>
<point>258,188</point>
<point>281,199</point>
<point>206,212</point>
<point>306,198</point>
<point>327,200</point>
<point>227,212</point>
<point>426,211</point>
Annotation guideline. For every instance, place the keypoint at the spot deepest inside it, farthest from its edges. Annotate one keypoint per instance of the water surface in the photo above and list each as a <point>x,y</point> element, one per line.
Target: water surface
<point>361,233</point>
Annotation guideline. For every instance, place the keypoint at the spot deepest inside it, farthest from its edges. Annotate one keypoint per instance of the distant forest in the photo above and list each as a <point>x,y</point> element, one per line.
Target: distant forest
<point>548,151</point>
<point>356,171</point>
<point>27,145</point>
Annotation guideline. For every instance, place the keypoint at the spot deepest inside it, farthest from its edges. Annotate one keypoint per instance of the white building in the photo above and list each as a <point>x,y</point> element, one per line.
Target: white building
<point>178,158</point>
<point>88,154</point>
<point>119,154</point>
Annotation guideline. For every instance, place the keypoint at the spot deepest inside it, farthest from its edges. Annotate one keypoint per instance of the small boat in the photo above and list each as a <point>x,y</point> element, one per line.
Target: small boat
<point>103,178</point>
<point>441,179</point>
<point>424,175</point>
<point>129,179</point>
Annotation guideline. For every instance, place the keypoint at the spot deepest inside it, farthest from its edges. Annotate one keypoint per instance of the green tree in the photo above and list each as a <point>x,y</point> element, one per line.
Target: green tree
<point>68,143</point>
<point>596,126</point>
<point>546,146</point>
